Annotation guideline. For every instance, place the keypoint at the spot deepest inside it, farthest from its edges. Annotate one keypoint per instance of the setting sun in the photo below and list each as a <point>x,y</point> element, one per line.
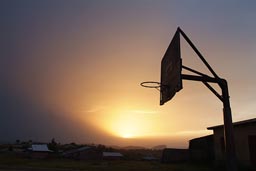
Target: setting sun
<point>127,135</point>
<point>125,126</point>
<point>125,123</point>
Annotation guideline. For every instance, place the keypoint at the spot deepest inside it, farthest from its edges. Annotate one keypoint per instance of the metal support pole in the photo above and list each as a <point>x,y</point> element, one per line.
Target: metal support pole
<point>228,128</point>
<point>227,116</point>
<point>230,151</point>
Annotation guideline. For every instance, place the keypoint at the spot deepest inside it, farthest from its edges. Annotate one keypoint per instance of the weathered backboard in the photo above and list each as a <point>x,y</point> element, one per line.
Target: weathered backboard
<point>171,66</point>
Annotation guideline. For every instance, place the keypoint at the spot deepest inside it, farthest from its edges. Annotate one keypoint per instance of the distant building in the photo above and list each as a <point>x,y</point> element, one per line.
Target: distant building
<point>245,141</point>
<point>171,155</point>
<point>39,151</point>
<point>83,153</point>
<point>149,158</point>
<point>201,149</point>
<point>112,155</point>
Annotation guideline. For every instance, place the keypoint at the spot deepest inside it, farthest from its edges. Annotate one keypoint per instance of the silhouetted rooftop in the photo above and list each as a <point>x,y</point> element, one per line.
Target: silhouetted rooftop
<point>39,148</point>
<point>235,124</point>
<point>204,137</point>
<point>112,154</point>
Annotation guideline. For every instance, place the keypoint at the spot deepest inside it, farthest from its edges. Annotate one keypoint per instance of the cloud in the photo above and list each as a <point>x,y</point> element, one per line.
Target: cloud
<point>94,109</point>
<point>144,111</point>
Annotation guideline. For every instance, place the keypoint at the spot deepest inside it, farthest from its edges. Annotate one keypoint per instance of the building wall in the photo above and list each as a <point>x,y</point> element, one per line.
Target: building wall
<point>241,135</point>
<point>174,155</point>
<point>88,154</point>
<point>201,149</point>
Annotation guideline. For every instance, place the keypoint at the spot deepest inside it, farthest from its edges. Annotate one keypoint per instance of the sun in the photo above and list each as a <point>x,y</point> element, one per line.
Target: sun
<point>128,127</point>
<point>126,130</point>
<point>127,136</point>
<point>129,124</point>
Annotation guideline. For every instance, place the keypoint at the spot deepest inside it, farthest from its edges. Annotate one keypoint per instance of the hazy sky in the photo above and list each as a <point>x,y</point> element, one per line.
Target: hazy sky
<point>71,69</point>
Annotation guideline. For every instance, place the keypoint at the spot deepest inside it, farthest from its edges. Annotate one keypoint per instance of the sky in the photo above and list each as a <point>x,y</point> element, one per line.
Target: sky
<point>71,70</point>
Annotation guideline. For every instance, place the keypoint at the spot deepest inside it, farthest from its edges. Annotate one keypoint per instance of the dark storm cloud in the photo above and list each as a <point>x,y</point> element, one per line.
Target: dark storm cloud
<point>29,30</point>
<point>24,119</point>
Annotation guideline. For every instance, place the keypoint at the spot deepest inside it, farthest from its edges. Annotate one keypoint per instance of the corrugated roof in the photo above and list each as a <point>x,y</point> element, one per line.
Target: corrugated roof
<point>112,154</point>
<point>77,150</point>
<point>239,123</point>
<point>40,148</point>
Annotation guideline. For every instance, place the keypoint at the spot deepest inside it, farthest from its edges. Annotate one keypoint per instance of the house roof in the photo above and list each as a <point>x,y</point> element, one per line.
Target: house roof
<point>77,150</point>
<point>204,137</point>
<point>235,124</point>
<point>39,148</point>
<point>112,154</point>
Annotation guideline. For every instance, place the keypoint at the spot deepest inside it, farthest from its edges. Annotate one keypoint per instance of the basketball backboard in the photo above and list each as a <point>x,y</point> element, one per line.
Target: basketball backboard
<point>171,66</point>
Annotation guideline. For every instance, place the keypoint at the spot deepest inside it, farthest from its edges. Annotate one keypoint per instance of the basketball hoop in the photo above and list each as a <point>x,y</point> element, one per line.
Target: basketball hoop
<point>151,84</point>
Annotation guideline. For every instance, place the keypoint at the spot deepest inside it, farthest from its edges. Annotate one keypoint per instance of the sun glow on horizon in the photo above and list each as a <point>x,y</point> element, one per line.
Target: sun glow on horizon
<point>128,124</point>
<point>125,126</point>
<point>127,136</point>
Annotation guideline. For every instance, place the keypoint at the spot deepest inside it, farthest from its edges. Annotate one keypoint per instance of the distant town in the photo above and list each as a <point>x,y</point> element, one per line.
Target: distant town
<point>40,150</point>
<point>209,150</point>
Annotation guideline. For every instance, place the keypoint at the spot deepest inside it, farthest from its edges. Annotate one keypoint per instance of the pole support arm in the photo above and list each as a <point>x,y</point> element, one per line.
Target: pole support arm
<point>199,78</point>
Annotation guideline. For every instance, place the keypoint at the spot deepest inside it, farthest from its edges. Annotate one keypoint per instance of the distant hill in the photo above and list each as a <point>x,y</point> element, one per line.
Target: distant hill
<point>159,147</point>
<point>127,147</point>
<point>115,147</point>
<point>133,148</point>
